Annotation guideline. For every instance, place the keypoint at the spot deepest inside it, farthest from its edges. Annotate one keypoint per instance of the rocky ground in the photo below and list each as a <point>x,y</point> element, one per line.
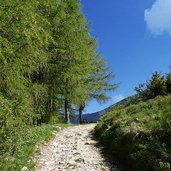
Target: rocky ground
<point>73,149</point>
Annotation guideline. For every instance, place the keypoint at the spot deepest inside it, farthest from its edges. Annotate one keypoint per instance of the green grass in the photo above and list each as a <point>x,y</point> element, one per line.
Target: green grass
<point>26,148</point>
<point>139,135</point>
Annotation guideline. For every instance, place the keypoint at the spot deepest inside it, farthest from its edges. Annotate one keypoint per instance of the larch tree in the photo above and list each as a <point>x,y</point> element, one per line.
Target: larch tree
<point>70,53</point>
<point>48,57</point>
<point>23,41</point>
<point>95,86</point>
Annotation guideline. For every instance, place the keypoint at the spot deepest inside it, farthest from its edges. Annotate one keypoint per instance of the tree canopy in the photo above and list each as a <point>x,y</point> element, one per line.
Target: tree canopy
<point>158,85</point>
<point>48,64</point>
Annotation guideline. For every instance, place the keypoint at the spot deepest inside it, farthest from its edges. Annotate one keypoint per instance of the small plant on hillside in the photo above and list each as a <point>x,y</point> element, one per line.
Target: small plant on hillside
<point>152,88</point>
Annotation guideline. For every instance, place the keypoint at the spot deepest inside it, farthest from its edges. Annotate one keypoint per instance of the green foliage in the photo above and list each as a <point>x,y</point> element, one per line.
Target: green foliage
<point>139,134</point>
<point>15,114</point>
<point>48,62</point>
<point>27,141</point>
<point>46,50</point>
<point>168,82</point>
<point>74,60</point>
<point>23,40</point>
<point>158,85</point>
<point>152,88</point>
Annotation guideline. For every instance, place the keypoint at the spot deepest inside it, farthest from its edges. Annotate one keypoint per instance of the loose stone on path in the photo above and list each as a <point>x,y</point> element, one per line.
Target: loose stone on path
<point>73,149</point>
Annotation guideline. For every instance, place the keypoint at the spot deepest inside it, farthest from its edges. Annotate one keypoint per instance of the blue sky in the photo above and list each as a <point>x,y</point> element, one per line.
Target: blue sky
<point>134,36</point>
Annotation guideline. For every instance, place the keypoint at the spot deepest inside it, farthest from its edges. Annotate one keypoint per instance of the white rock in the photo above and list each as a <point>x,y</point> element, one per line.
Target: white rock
<point>72,149</point>
<point>58,127</point>
<point>24,168</point>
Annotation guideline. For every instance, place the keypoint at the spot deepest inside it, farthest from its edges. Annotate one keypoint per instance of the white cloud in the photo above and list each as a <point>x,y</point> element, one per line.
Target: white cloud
<point>117,98</point>
<point>158,18</point>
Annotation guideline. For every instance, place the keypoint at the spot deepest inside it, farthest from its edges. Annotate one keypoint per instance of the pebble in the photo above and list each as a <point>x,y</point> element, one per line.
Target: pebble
<point>72,149</point>
<point>24,168</point>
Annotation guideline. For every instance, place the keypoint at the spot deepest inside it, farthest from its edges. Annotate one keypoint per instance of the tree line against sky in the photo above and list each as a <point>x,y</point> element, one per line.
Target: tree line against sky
<point>49,64</point>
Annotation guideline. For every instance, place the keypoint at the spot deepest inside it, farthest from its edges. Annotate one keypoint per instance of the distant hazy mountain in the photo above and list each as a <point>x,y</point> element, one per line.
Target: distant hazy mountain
<point>94,117</point>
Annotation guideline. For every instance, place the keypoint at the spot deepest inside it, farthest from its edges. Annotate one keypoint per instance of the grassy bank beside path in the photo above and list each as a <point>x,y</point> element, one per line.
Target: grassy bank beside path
<point>139,135</point>
<point>27,146</point>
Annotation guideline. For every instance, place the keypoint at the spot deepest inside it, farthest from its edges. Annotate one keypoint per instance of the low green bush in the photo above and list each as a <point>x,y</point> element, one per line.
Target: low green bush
<point>140,134</point>
<point>25,147</point>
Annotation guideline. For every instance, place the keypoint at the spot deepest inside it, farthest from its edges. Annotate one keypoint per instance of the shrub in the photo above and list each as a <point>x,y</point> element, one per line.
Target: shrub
<point>139,134</point>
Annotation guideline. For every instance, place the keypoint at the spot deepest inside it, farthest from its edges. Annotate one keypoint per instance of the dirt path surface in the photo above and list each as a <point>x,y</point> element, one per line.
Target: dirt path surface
<point>73,149</point>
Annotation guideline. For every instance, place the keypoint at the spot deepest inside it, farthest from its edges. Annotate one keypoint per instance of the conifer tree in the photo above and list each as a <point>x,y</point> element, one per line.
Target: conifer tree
<point>152,88</point>
<point>168,82</point>
<point>24,38</point>
<point>48,56</point>
<point>71,52</point>
<point>95,86</point>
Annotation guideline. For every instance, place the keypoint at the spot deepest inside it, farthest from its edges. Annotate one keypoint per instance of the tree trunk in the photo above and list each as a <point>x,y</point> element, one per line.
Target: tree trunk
<point>80,115</point>
<point>51,104</point>
<point>67,120</point>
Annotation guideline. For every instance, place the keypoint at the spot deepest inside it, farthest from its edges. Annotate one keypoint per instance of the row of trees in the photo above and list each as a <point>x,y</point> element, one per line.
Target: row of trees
<point>48,60</point>
<point>158,85</point>
<point>48,64</point>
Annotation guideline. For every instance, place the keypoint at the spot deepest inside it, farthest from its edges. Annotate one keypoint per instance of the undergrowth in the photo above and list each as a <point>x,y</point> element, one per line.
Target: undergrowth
<point>139,135</point>
<point>26,146</point>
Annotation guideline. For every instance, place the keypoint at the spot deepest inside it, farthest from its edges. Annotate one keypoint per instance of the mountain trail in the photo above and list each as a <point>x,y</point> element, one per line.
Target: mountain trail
<point>73,149</point>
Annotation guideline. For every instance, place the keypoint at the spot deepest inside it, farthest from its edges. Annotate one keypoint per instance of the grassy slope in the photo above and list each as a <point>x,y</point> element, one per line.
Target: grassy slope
<point>27,146</point>
<point>139,135</point>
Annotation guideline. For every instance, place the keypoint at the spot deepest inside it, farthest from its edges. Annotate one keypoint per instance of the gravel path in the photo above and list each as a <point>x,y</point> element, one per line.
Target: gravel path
<point>73,149</point>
